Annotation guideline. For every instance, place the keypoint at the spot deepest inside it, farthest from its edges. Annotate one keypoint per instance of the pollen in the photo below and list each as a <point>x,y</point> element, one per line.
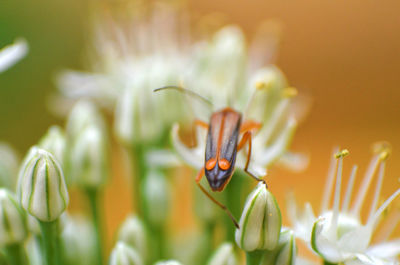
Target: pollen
<point>261,85</point>
<point>289,92</point>
<point>342,153</point>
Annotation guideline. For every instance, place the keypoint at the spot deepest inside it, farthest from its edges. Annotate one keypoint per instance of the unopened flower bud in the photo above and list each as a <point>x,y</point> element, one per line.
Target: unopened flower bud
<point>83,114</point>
<point>284,253</point>
<point>8,166</point>
<point>54,142</point>
<point>123,254</point>
<point>168,262</point>
<point>133,233</point>
<point>41,186</point>
<point>89,158</point>
<point>260,223</point>
<point>156,192</point>
<point>79,241</point>
<point>12,219</point>
<point>224,255</point>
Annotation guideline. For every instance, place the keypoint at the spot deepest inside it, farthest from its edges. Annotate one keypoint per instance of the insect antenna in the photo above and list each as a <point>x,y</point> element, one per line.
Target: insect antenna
<point>186,91</point>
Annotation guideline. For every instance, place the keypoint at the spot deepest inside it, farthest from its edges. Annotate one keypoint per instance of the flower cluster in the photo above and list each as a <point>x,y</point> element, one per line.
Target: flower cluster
<point>131,59</point>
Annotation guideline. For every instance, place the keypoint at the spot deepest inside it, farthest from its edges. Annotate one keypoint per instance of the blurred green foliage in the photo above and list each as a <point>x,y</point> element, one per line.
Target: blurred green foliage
<point>55,33</point>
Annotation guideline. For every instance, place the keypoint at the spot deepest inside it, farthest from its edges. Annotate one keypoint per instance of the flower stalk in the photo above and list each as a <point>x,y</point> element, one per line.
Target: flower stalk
<point>50,243</point>
<point>93,199</point>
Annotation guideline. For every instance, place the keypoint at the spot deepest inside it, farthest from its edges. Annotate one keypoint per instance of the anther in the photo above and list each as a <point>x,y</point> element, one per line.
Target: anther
<point>289,92</point>
<point>342,153</point>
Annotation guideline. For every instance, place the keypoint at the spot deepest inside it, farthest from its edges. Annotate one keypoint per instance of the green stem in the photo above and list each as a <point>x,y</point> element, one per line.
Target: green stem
<point>15,254</point>
<point>253,257</point>
<point>140,171</point>
<point>324,262</point>
<point>233,202</point>
<point>93,197</point>
<point>50,243</point>
<point>209,243</point>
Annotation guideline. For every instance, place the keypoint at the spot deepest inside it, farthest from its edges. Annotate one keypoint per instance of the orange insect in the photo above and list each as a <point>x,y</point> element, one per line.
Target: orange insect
<point>224,130</point>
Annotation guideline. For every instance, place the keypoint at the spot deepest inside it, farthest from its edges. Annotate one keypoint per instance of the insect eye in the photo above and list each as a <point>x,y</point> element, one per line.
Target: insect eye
<point>224,164</point>
<point>210,164</point>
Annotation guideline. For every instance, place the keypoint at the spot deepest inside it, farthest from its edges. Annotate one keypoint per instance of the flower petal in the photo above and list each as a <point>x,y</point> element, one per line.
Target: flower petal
<point>192,156</point>
<point>11,54</point>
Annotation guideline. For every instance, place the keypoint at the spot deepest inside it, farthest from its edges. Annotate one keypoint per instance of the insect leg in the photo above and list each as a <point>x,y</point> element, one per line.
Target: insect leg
<point>250,126</point>
<point>247,138</point>
<point>223,207</point>
<point>201,123</point>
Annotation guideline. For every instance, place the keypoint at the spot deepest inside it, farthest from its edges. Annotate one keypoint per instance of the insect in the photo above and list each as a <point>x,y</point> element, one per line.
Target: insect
<point>227,134</point>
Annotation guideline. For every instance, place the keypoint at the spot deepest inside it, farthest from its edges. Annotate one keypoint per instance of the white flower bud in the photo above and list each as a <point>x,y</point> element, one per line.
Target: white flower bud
<point>79,241</point>
<point>54,142</point>
<point>8,166</point>
<point>12,219</point>
<point>168,262</point>
<point>260,223</point>
<point>224,255</point>
<point>41,186</point>
<point>157,197</point>
<point>89,158</point>
<point>83,114</point>
<point>284,253</point>
<point>133,233</point>
<point>123,254</point>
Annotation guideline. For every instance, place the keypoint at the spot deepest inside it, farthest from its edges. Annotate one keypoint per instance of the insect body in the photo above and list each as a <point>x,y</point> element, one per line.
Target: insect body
<point>221,147</point>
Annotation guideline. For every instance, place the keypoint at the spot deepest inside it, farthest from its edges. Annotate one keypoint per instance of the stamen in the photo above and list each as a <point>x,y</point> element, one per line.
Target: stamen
<point>365,185</point>
<point>336,201</point>
<point>378,188</point>
<point>389,226</point>
<point>289,92</point>
<point>350,185</point>
<point>261,85</point>
<point>329,183</point>
<point>374,218</point>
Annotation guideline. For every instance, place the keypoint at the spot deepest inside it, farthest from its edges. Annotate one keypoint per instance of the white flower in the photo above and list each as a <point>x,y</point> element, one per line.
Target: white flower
<point>41,186</point>
<point>219,74</point>
<point>11,54</point>
<point>130,62</point>
<point>339,235</point>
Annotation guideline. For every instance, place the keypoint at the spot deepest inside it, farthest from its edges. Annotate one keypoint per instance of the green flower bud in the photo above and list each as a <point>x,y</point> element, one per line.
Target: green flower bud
<point>12,220</point>
<point>41,186</point>
<point>284,253</point>
<point>123,254</point>
<point>224,255</point>
<point>8,166</point>
<point>133,233</point>
<point>157,197</point>
<point>54,142</point>
<point>260,223</point>
<point>89,158</point>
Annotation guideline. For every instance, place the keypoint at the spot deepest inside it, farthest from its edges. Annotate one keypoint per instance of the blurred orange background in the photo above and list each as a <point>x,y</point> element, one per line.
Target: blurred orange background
<point>344,54</point>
